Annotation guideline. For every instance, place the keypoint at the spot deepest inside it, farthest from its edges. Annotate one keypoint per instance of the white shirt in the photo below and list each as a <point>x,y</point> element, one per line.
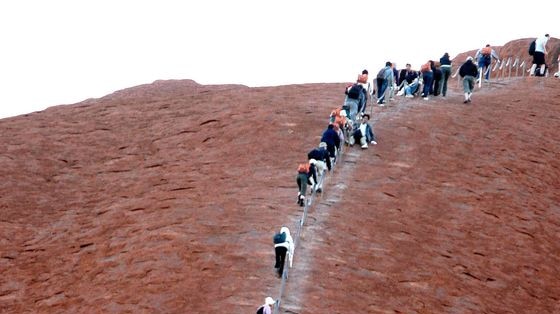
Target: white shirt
<point>363,128</point>
<point>289,244</point>
<point>540,44</point>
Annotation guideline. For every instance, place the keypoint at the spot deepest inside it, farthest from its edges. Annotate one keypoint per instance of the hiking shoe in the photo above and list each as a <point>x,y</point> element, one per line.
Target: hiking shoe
<point>364,146</point>
<point>409,96</point>
<point>381,105</point>
<point>373,143</point>
<point>466,101</point>
<point>319,190</point>
<point>426,98</point>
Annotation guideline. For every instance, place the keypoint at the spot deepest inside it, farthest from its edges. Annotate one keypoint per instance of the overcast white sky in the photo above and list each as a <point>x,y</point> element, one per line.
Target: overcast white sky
<point>65,51</point>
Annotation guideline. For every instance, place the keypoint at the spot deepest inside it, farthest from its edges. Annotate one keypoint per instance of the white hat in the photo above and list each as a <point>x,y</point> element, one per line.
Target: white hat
<point>469,58</point>
<point>269,301</point>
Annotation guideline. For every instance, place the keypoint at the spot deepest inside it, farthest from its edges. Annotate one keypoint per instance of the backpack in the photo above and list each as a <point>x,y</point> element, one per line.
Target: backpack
<point>532,47</point>
<point>381,74</point>
<point>486,51</point>
<point>303,168</point>
<point>354,92</point>
<point>279,238</point>
<point>260,310</point>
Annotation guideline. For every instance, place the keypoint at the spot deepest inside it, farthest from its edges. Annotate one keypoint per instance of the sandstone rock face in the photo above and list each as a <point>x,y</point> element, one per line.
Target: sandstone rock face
<point>163,198</point>
<point>518,49</point>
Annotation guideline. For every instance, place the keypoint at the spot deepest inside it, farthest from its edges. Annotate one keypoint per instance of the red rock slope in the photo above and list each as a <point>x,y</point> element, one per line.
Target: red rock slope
<point>164,198</point>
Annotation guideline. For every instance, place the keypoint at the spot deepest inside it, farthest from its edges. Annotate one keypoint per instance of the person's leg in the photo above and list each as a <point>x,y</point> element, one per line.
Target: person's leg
<point>302,185</point>
<point>488,68</point>
<point>391,91</point>
<point>481,67</point>
<point>357,135</point>
<point>533,68</point>
<point>535,62</point>
<point>364,102</point>
<point>428,78</point>
<point>379,85</point>
<point>282,254</point>
<point>466,88</point>
<point>353,109</point>
<point>332,153</point>
<point>321,167</point>
<point>471,87</point>
<point>382,90</point>
<point>435,86</point>
<point>363,142</point>
<point>541,62</point>
<point>298,180</point>
<point>277,254</point>
<point>446,73</point>
<point>414,88</point>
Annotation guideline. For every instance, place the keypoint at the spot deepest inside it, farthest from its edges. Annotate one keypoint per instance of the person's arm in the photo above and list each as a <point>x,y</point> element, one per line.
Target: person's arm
<point>495,55</point>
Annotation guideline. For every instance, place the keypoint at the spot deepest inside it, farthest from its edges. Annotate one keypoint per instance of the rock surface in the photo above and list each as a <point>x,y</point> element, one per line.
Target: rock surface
<point>163,198</point>
<point>517,49</point>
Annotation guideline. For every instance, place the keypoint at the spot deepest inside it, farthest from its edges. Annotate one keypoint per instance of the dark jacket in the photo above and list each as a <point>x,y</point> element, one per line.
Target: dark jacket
<point>445,60</point>
<point>468,68</point>
<point>410,76</point>
<point>331,137</point>
<point>320,154</point>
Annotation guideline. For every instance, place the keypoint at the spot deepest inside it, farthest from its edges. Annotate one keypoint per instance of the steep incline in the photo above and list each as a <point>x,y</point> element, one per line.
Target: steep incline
<point>164,198</point>
<point>455,211</point>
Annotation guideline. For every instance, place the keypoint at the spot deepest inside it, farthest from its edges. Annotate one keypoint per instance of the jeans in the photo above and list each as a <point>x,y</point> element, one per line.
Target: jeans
<point>381,88</point>
<point>363,101</point>
<point>484,65</point>
<point>468,84</point>
<point>353,107</point>
<point>428,78</point>
<point>445,74</point>
<point>411,88</point>
<point>301,180</point>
